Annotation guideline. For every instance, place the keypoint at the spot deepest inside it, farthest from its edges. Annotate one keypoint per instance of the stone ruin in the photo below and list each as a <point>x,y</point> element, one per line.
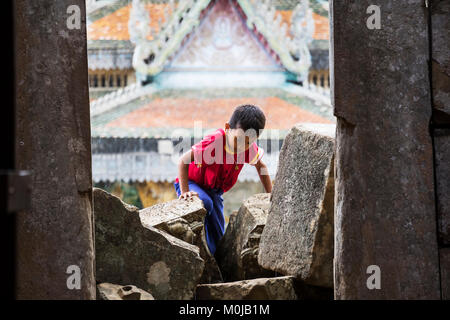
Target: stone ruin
<point>277,246</point>
<point>390,95</point>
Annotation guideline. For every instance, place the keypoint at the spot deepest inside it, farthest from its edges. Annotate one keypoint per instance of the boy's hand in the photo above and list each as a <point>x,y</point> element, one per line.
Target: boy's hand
<point>188,194</point>
<point>263,173</point>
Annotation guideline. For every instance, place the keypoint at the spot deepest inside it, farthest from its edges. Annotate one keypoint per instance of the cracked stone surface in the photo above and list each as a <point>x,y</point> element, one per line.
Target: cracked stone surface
<point>151,259</point>
<point>184,219</point>
<point>298,237</point>
<point>109,291</point>
<point>276,288</point>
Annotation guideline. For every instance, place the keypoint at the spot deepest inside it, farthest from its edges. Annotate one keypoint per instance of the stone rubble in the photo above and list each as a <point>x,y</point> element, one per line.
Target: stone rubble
<point>298,237</point>
<point>275,288</point>
<point>160,252</point>
<point>237,251</point>
<point>184,220</point>
<point>109,291</point>
<point>280,288</point>
<point>129,253</point>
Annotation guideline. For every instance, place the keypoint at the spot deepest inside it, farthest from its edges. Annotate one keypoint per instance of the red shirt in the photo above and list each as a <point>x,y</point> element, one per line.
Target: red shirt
<point>215,166</point>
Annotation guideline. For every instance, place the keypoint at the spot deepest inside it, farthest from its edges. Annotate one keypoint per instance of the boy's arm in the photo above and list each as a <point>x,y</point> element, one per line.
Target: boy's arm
<point>264,176</point>
<point>183,175</point>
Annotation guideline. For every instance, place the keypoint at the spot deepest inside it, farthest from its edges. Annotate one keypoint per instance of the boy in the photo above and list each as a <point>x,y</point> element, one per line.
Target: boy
<point>212,166</point>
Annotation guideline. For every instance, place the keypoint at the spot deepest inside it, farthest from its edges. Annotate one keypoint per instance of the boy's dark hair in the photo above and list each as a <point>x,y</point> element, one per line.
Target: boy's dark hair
<point>248,117</point>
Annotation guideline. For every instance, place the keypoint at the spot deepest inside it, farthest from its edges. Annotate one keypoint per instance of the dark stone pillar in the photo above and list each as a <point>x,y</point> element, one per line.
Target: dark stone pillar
<point>440,61</point>
<point>440,23</point>
<point>442,164</point>
<point>440,26</point>
<point>445,272</point>
<point>53,141</point>
<point>384,203</point>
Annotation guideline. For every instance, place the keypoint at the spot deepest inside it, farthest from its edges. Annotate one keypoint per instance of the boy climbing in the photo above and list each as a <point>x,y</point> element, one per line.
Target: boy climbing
<point>212,166</point>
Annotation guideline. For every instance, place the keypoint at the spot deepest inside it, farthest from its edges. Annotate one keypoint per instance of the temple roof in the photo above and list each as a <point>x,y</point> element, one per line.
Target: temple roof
<point>109,40</point>
<point>134,130</point>
<point>159,114</point>
<point>114,25</point>
<point>319,7</point>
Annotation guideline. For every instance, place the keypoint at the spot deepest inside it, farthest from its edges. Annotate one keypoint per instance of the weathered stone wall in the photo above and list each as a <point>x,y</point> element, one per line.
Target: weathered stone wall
<point>440,62</point>
<point>385,212</point>
<point>53,141</point>
<point>442,163</point>
<point>444,256</point>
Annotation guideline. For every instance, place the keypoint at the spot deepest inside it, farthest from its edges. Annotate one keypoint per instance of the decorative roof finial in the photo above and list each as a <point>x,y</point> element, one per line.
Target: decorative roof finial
<point>171,6</point>
<point>302,30</point>
<point>139,22</point>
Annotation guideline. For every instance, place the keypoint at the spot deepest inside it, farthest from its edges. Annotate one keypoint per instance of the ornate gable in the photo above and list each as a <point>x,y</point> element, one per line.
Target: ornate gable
<point>223,42</point>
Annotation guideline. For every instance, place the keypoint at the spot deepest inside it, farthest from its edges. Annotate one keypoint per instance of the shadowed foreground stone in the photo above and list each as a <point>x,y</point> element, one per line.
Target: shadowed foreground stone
<point>53,141</point>
<point>385,197</point>
<point>277,288</point>
<point>440,20</point>
<point>109,291</point>
<point>129,253</point>
<point>442,165</point>
<point>237,251</point>
<point>211,273</point>
<point>444,254</point>
<point>184,220</point>
<point>298,237</point>
<point>281,288</point>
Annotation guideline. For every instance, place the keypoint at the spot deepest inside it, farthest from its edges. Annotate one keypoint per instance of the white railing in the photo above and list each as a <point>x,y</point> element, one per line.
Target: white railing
<point>311,91</point>
<point>92,5</point>
<point>119,97</point>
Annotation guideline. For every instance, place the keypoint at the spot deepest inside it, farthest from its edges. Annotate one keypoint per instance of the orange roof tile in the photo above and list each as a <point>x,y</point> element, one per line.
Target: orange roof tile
<point>321,24</point>
<point>115,25</point>
<point>181,113</point>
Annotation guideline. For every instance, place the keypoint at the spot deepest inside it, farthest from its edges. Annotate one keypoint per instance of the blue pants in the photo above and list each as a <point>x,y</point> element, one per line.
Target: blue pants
<point>214,220</point>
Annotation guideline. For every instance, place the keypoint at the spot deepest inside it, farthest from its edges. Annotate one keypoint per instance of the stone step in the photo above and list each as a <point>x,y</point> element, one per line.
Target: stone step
<point>276,288</point>
<point>109,291</point>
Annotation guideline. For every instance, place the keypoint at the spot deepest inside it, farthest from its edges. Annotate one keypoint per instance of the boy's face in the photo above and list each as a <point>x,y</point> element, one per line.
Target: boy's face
<point>238,139</point>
